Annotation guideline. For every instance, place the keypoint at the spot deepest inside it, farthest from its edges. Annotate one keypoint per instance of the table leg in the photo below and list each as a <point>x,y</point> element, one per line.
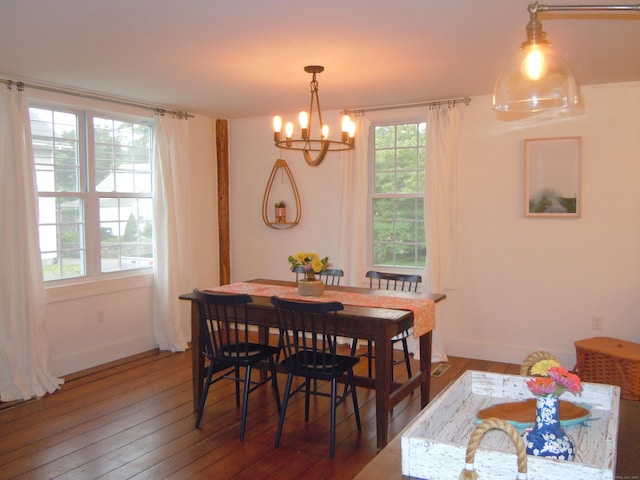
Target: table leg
<point>425,368</point>
<point>197,360</point>
<point>382,386</point>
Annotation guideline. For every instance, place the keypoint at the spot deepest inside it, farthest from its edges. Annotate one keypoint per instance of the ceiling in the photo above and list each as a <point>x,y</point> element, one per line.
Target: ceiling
<point>239,58</point>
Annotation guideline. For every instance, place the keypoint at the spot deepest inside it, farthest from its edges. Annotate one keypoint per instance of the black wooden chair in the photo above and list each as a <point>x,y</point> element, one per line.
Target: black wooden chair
<point>391,281</point>
<point>228,349</point>
<point>309,332</point>
<point>331,276</point>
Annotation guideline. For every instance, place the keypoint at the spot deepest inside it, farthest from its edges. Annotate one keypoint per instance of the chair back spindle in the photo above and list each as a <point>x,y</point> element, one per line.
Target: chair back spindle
<point>331,276</point>
<point>393,281</point>
<point>224,317</point>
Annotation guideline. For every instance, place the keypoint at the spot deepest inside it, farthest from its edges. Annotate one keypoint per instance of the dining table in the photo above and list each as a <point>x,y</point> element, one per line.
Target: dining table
<point>378,323</point>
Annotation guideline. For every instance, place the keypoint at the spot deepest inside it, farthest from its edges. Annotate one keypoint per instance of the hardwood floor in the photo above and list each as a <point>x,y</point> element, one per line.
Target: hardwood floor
<point>134,419</point>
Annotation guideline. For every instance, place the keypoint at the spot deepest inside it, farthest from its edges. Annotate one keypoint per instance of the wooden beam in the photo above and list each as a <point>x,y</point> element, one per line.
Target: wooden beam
<point>222,150</point>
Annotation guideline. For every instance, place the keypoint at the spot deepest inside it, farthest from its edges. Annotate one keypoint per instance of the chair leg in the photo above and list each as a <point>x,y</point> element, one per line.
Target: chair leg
<point>369,355</point>
<point>274,383</point>
<point>354,396</point>
<point>205,392</point>
<point>332,430</point>
<point>307,396</point>
<point>285,402</point>
<point>237,374</point>
<point>407,359</point>
<point>245,401</point>
<point>354,347</point>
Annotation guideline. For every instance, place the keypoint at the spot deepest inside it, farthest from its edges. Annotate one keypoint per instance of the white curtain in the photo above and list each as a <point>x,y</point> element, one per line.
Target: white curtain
<point>172,232</point>
<point>443,125</point>
<point>23,349</point>
<point>353,203</point>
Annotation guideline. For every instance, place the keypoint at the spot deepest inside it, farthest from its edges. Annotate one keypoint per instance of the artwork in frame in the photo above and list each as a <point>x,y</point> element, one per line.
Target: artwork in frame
<point>552,179</point>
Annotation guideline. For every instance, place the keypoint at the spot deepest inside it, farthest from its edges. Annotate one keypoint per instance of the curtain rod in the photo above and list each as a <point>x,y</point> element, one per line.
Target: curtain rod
<point>431,104</point>
<point>95,96</point>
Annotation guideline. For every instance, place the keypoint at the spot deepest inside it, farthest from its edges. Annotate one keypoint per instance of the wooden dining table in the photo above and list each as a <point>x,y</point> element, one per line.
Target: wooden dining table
<point>365,323</point>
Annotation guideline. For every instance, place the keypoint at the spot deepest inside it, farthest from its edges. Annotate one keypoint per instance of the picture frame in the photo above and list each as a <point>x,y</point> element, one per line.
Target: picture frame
<point>553,177</point>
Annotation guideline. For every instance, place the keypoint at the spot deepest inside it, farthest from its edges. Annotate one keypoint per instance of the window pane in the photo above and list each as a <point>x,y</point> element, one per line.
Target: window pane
<point>407,135</point>
<point>126,233</point>
<point>123,156</point>
<point>385,182</point>
<point>56,150</point>
<point>61,235</point>
<point>385,136</point>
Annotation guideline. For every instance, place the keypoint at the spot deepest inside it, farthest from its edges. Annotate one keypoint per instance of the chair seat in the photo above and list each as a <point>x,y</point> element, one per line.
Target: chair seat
<point>401,335</point>
<point>311,365</point>
<point>243,354</point>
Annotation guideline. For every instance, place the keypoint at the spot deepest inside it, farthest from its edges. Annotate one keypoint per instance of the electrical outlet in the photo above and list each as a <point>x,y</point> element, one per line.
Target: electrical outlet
<point>597,322</point>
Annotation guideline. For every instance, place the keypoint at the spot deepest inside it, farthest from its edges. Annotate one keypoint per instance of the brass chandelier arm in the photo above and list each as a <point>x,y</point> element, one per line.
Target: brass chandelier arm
<point>318,160</point>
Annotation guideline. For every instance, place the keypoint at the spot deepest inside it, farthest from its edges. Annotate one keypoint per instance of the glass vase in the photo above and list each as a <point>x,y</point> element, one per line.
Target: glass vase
<point>547,438</point>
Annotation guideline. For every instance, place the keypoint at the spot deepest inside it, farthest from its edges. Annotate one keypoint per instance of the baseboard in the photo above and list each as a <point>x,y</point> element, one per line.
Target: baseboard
<point>91,357</point>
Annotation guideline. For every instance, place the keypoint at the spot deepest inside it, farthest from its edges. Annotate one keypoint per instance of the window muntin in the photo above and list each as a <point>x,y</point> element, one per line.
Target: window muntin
<point>397,201</point>
<point>94,181</point>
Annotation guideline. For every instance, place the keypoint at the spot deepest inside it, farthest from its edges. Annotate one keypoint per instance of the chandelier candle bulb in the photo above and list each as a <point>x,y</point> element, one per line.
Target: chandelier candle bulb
<point>288,131</point>
<point>277,128</point>
<point>346,123</point>
<point>303,118</point>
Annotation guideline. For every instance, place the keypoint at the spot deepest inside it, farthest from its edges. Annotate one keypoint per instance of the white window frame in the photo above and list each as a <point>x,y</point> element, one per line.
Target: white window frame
<point>89,194</point>
<point>372,195</point>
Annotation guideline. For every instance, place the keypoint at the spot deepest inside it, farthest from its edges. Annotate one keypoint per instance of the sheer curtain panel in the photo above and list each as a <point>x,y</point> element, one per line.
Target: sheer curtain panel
<point>353,203</point>
<point>172,232</point>
<point>23,348</point>
<point>443,125</point>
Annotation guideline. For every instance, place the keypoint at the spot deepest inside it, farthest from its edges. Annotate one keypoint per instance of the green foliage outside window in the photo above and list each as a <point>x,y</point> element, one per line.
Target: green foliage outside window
<point>398,195</point>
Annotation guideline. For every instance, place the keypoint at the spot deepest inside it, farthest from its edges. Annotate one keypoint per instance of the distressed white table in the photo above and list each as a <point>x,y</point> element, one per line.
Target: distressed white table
<point>433,446</point>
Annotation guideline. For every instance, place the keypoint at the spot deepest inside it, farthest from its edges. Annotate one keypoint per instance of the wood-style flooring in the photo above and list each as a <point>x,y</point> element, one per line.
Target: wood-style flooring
<point>134,419</point>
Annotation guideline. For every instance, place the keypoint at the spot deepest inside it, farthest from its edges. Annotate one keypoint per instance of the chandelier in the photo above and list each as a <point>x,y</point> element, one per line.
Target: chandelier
<point>307,143</point>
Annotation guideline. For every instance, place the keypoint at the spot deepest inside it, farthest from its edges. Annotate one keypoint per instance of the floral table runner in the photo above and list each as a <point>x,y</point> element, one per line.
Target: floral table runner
<point>423,308</point>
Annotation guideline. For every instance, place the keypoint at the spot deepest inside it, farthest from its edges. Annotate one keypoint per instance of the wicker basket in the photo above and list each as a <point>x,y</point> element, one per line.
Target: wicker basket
<point>611,361</point>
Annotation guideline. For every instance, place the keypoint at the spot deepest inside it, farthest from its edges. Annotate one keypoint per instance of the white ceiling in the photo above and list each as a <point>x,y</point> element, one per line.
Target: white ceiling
<point>237,58</point>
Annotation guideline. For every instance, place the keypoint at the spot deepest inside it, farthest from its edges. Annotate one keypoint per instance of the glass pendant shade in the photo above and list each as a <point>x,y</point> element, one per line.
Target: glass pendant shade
<point>536,79</point>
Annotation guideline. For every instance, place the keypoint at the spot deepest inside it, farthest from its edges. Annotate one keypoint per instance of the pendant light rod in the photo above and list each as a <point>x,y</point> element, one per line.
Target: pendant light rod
<point>564,8</point>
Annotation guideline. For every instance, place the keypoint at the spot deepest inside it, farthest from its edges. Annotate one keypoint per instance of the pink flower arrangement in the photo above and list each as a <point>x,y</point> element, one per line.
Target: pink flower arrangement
<point>554,380</point>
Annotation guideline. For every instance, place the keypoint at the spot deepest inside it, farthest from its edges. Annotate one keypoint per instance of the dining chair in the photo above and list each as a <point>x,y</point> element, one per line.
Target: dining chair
<point>309,332</point>
<point>390,281</point>
<point>228,348</point>
<point>331,276</point>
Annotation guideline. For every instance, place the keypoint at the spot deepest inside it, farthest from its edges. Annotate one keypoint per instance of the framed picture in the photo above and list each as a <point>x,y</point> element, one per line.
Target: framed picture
<point>552,177</point>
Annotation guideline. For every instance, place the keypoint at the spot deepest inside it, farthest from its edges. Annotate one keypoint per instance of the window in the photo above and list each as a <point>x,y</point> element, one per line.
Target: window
<point>94,182</point>
<point>397,195</point>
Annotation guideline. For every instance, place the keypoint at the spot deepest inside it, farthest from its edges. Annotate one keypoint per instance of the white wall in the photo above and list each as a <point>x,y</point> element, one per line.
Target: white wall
<point>96,322</point>
<point>522,284</point>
